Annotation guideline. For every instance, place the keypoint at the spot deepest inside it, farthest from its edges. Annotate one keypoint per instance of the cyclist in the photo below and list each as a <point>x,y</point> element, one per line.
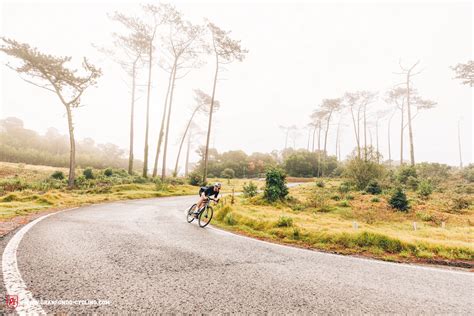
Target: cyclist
<point>205,193</point>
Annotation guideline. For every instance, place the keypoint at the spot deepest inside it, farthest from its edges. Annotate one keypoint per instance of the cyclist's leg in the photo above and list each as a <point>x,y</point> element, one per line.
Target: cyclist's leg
<point>200,202</point>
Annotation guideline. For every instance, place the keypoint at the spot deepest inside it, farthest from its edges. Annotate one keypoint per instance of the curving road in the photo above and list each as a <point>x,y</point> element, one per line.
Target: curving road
<point>142,256</point>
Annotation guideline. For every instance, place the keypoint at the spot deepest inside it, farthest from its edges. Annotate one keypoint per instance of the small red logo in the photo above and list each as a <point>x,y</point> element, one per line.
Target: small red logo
<point>12,301</point>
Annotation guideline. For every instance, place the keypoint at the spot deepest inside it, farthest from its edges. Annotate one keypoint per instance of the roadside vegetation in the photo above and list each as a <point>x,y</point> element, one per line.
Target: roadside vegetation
<point>423,213</point>
<point>27,189</point>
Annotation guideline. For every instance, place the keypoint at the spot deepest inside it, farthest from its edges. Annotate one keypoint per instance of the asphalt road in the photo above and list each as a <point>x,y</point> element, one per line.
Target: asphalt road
<point>142,256</point>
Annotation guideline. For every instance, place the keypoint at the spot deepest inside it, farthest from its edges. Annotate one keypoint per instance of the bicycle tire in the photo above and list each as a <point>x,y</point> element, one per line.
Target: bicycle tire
<point>190,213</point>
<point>207,213</point>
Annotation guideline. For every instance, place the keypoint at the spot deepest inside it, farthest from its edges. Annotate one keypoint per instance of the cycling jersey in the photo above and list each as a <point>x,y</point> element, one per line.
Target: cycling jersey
<point>208,191</point>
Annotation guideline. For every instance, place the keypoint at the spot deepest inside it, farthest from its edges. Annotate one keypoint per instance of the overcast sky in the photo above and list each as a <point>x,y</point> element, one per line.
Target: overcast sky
<point>299,54</point>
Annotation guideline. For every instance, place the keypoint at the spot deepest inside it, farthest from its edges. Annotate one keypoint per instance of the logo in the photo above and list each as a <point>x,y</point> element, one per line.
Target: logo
<point>11,301</point>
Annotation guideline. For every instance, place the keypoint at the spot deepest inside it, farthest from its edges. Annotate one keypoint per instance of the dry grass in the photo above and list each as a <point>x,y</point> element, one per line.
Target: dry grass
<point>330,224</point>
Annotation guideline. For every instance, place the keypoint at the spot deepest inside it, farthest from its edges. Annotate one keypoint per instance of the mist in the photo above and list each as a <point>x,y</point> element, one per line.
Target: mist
<point>299,55</point>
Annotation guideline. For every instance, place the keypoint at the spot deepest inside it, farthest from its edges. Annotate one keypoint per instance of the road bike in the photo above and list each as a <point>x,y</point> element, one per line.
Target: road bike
<point>204,215</point>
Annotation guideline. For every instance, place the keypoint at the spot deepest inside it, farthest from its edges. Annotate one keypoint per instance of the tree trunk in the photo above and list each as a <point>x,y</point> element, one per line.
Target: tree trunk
<point>402,127</point>
<point>459,144</point>
<point>183,138</point>
<point>186,170</point>
<point>389,146</point>
<point>327,131</point>
<point>337,139</point>
<point>147,119</point>
<point>309,139</point>
<point>314,134</point>
<point>365,132</point>
<point>72,152</point>
<point>204,178</point>
<point>410,130</point>
<point>132,114</point>
<point>165,148</point>
<point>162,127</point>
<point>355,132</point>
<point>377,139</point>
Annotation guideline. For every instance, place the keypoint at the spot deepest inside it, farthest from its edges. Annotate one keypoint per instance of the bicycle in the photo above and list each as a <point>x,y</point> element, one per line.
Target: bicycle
<point>204,215</point>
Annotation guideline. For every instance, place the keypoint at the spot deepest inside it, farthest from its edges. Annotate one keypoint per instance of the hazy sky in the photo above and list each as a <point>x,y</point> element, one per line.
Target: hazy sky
<point>299,54</point>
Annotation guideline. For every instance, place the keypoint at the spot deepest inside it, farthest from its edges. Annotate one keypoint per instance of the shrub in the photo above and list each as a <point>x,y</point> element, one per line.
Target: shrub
<point>88,173</point>
<point>58,175</point>
<point>344,188</point>
<point>344,203</point>
<point>404,172</point>
<point>195,178</point>
<point>11,185</point>
<point>320,184</point>
<point>160,185</point>
<point>468,173</point>
<point>139,179</point>
<point>373,187</point>
<point>362,172</point>
<point>284,221</point>
<point>398,200</point>
<point>174,181</point>
<point>319,201</point>
<point>412,183</point>
<point>434,172</point>
<point>459,202</point>
<point>375,200</point>
<point>296,234</point>
<point>108,172</point>
<point>335,197</point>
<point>250,189</point>
<point>425,189</point>
<point>229,219</point>
<point>275,187</point>
<point>228,173</point>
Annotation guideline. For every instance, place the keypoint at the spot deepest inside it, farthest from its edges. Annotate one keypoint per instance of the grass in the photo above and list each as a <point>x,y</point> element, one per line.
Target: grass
<point>26,189</point>
<point>327,223</point>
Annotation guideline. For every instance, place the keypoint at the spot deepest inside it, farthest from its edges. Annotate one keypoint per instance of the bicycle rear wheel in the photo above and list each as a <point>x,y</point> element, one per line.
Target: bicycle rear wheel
<point>190,213</point>
<point>205,216</point>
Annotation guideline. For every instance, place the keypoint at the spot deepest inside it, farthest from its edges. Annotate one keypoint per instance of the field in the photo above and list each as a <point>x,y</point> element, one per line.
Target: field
<point>28,189</point>
<point>355,222</point>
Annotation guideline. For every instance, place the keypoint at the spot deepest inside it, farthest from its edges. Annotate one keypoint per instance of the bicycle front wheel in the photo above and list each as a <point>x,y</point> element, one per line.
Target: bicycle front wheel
<point>190,213</point>
<point>205,216</point>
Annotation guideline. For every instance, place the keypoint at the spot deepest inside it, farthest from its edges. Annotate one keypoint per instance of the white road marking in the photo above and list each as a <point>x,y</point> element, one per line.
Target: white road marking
<point>12,279</point>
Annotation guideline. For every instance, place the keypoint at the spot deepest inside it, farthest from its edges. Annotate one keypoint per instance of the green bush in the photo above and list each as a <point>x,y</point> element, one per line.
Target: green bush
<point>320,184</point>
<point>459,202</point>
<point>195,178</point>
<point>284,221</point>
<point>228,173</point>
<point>375,200</point>
<point>344,188</point>
<point>425,189</point>
<point>88,173</point>
<point>108,172</point>
<point>412,183</point>
<point>373,187</point>
<point>229,219</point>
<point>250,189</point>
<point>361,172</point>
<point>160,185</point>
<point>11,185</point>
<point>58,175</point>
<point>174,181</point>
<point>398,200</point>
<point>139,179</point>
<point>404,172</point>
<point>344,203</point>
<point>468,173</point>
<point>275,185</point>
